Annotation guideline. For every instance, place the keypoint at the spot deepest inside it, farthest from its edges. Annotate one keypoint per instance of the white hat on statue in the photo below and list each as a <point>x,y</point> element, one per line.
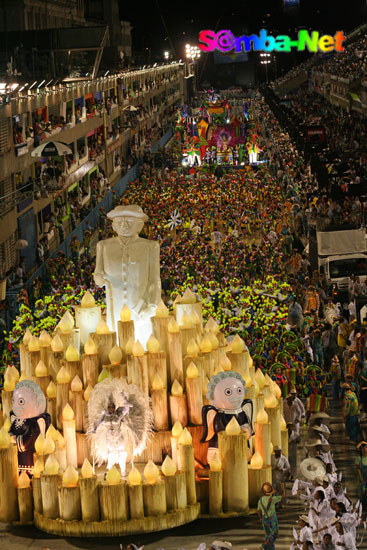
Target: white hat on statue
<point>129,210</point>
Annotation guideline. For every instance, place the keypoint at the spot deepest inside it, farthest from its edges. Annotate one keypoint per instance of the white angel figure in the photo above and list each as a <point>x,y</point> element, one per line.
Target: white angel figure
<point>120,422</point>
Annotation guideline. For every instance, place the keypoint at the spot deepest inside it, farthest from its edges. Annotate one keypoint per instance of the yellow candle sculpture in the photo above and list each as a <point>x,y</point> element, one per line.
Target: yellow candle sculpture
<point>115,355</point>
<point>87,469</point>
<point>87,392</point>
<point>237,345</point>
<point>72,354</point>
<point>90,347</point>
<point>138,350</point>
<point>70,477</point>
<point>173,327</point>
<point>215,462</point>
<point>5,439</point>
<point>233,427</point>
<point>169,468</point>
<point>260,378</point>
<point>185,438</point>
<point>134,476</point>
<point>38,468</point>
<point>34,344</point>
<point>88,300</point>
<point>192,371</point>
<point>153,345</point>
<point>63,376</point>
<point>212,326</point>
<point>177,429</point>
<point>113,476</point>
<point>56,344</point>
<point>151,473</point>
<point>51,466</point>
<point>102,327</point>
<point>262,417</point>
<point>129,346</point>
<point>66,323</point>
<point>162,311</point>
<point>176,388</point>
<point>256,461</point>
<point>125,314</point>
<point>51,390</point>
<point>45,339</point>
<point>192,348</point>
<point>24,481</point>
<point>40,370</point>
<point>206,345</point>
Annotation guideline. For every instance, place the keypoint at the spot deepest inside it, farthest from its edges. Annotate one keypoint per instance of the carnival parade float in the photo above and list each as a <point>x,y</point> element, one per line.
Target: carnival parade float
<point>103,436</point>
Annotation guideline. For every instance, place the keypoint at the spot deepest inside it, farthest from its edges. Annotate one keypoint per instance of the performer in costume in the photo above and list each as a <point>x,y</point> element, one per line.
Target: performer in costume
<point>226,392</point>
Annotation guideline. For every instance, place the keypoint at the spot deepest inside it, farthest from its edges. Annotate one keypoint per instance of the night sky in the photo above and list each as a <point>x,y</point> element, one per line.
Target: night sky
<point>185,19</point>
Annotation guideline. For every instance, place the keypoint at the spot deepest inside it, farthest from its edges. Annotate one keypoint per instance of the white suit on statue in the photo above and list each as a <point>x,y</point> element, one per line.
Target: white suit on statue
<point>129,268</point>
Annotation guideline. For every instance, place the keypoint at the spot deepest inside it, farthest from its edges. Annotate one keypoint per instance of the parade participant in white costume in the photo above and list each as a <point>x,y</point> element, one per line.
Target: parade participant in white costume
<point>280,470</point>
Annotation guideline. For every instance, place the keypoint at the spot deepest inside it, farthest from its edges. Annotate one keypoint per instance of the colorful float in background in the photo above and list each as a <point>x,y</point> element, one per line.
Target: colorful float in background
<point>214,134</point>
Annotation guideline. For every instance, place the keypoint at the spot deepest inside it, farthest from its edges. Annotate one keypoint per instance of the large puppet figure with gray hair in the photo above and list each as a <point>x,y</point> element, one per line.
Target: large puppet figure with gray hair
<point>28,419</point>
<point>226,392</point>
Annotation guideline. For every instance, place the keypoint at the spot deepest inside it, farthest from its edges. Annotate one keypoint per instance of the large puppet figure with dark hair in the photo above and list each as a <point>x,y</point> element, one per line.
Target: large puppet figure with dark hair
<point>226,392</point>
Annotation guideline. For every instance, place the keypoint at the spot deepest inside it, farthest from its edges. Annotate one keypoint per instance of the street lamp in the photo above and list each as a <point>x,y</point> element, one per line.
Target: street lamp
<point>193,52</point>
<point>166,55</point>
<point>265,60</point>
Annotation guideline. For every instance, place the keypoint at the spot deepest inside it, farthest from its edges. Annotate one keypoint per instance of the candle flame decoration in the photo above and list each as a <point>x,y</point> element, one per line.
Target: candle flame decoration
<point>257,461</point>
<point>206,345</point>
<point>51,466</point>
<point>177,429</point>
<point>212,326</point>
<point>52,432</point>
<point>34,344</point>
<point>271,448</point>
<point>213,339</point>
<point>90,347</point>
<point>66,323</point>
<point>38,468</point>
<point>138,350</point>
<point>40,370</point>
<point>215,463</point>
<point>188,297</point>
<point>72,354</point>
<point>87,392</point>
<point>13,372</point>
<point>5,439</point>
<point>237,345</point>
<point>67,412</point>
<point>105,373</point>
<point>45,339</point>
<point>186,321</point>
<point>88,300</point>
<point>57,344</point>
<point>115,355</point>
<point>102,327</point>
<point>192,371</point>
<point>129,346</point>
<point>153,345</point>
<point>260,378</point>
<point>256,386</point>
<point>39,444</point>
<point>113,476</point>
<point>49,445</point>
<point>192,348</point>
<point>225,363</point>
<point>63,376</point>
<point>185,438</point>
<point>173,327</point>
<point>24,481</point>
<point>247,378</point>
<point>169,468</point>
<point>268,380</point>
<point>151,473</point>
<point>87,469</point>
<point>157,382</point>
<point>76,384</point>
<point>9,383</point>
<point>270,400</point>
<point>233,427</point>
<point>176,388</point>
<point>262,416</point>
<point>27,336</point>
<point>134,477</point>
<point>162,311</point>
<point>60,440</point>
<point>70,477</point>
<point>125,314</point>
<point>51,390</point>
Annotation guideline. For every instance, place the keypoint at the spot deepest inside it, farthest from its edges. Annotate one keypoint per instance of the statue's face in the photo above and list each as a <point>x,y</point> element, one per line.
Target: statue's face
<point>228,394</point>
<point>126,226</point>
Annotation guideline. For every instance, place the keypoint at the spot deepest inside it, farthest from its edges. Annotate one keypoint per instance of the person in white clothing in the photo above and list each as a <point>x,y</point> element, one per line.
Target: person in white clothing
<point>280,469</point>
<point>342,539</point>
<point>304,534</point>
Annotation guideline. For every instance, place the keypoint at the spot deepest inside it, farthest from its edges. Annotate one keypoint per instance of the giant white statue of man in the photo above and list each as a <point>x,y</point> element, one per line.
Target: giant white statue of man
<point>129,268</point>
